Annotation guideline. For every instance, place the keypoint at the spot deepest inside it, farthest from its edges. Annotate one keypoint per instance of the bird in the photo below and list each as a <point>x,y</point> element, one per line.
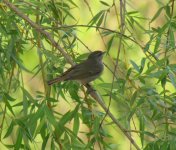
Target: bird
<point>85,72</point>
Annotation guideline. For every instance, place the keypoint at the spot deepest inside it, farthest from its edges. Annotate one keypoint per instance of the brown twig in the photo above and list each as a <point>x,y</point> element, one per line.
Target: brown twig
<point>94,94</point>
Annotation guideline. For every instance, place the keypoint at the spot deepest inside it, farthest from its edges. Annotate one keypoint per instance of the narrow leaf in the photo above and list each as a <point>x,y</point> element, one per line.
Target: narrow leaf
<point>133,98</point>
<point>157,14</point>
<point>110,44</point>
<point>100,20</point>
<point>76,124</point>
<point>135,66</point>
<point>104,3</point>
<point>142,126</point>
<point>10,129</point>
<point>19,139</point>
<point>96,18</point>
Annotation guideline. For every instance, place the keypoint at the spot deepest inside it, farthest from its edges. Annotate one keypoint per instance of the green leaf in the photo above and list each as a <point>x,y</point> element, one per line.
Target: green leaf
<point>73,91</point>
<point>69,14</point>
<point>50,116</point>
<point>96,18</point>
<point>132,112</point>
<point>149,134</point>
<point>9,146</point>
<point>66,141</point>
<point>163,81</point>
<point>133,98</point>
<point>164,27</point>
<point>20,64</point>
<point>9,97</point>
<point>173,25</point>
<point>45,140</point>
<point>172,77</point>
<point>139,25</point>
<point>172,145</point>
<point>18,139</point>
<point>68,116</point>
<point>50,99</point>
<point>18,104</point>
<point>136,107</point>
<point>104,3</point>
<point>8,106</point>
<point>157,14</point>
<point>76,124</point>
<point>128,73</point>
<point>77,143</point>
<point>96,125</point>
<point>135,66</point>
<point>29,97</point>
<point>158,41</point>
<point>147,46</point>
<point>34,118</point>
<point>40,126</point>
<point>167,10</point>
<point>10,129</point>
<point>73,3</point>
<point>142,127</point>
<point>142,64</point>
<point>100,20</point>
<point>132,12</point>
<point>65,118</point>
<point>171,39</point>
<point>110,44</point>
<point>140,101</point>
<point>53,147</point>
<point>159,63</point>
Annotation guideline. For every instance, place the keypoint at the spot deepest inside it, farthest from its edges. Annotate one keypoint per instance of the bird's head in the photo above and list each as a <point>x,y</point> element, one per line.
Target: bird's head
<point>97,55</point>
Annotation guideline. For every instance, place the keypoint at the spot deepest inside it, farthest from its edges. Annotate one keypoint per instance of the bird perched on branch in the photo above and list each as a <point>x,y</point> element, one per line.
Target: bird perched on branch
<point>85,72</point>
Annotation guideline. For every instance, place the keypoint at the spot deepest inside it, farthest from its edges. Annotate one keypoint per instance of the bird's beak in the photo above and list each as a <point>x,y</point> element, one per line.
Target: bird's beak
<point>103,53</point>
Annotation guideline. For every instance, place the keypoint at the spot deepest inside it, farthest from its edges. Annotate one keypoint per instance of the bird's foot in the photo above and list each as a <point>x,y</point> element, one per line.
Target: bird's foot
<point>89,89</point>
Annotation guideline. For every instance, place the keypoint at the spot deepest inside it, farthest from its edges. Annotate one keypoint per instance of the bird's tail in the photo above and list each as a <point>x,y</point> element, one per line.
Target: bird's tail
<point>58,79</point>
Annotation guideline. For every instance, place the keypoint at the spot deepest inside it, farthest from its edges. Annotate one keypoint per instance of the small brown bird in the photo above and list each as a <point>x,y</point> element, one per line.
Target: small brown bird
<point>85,72</point>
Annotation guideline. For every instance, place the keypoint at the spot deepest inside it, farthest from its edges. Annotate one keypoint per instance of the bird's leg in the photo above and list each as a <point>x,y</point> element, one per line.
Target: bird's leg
<point>89,88</point>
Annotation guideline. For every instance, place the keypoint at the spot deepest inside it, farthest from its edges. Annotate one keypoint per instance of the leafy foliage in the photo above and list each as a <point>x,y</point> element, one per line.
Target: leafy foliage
<point>64,116</point>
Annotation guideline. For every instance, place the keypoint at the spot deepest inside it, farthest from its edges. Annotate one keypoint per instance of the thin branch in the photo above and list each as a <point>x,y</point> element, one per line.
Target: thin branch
<point>97,27</point>
<point>116,64</point>
<point>147,53</point>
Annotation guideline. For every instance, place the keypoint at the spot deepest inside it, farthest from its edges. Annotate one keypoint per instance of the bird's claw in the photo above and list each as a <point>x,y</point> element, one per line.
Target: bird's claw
<point>90,90</point>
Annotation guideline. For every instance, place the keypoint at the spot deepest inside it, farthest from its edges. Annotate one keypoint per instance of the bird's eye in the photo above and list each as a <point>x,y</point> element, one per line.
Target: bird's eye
<point>99,54</point>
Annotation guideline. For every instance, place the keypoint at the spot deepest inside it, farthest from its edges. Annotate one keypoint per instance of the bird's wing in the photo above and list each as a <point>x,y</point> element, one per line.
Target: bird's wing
<point>81,71</point>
